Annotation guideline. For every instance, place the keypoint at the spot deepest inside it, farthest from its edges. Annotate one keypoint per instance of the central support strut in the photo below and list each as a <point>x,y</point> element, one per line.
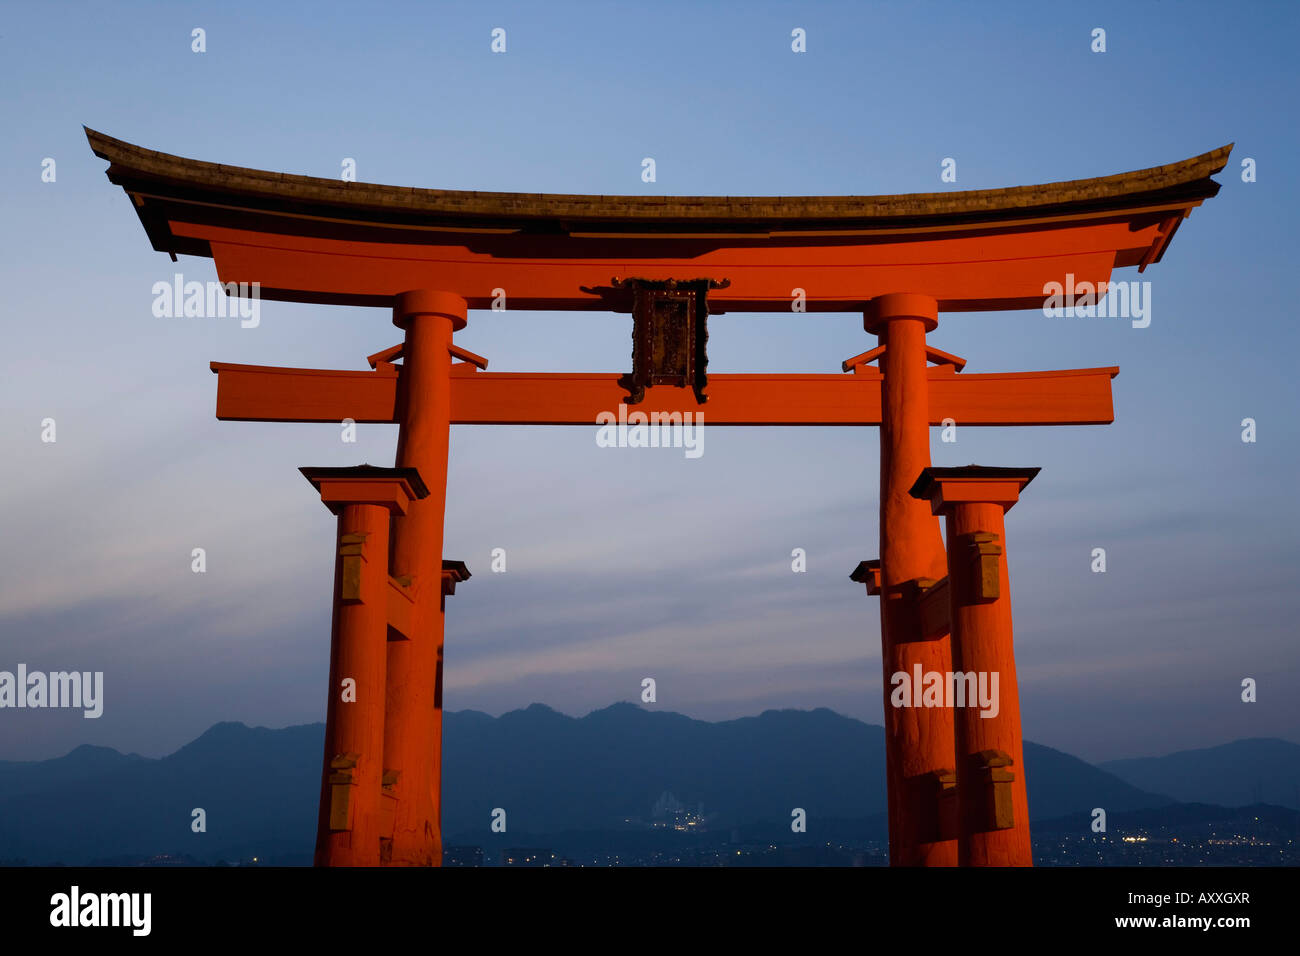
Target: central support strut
<point>918,740</point>
<point>413,716</point>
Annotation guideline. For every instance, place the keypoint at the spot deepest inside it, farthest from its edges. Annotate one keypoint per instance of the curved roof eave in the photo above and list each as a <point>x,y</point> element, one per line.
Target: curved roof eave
<point>152,177</point>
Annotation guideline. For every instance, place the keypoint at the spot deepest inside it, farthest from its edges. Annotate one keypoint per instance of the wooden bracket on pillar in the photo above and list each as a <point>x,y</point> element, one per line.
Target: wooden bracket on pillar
<point>994,783</point>
<point>350,550</point>
<point>929,597</point>
<point>473,358</point>
<point>401,604</point>
<point>937,356</point>
<point>934,611</point>
<point>983,549</point>
<point>862,360</point>
<point>868,573</point>
<point>386,356</point>
<point>389,355</point>
<point>341,782</point>
<point>453,573</point>
<point>934,796</point>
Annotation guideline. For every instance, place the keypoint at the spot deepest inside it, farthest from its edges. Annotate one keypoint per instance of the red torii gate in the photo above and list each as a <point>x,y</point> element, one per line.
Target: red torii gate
<point>955,780</point>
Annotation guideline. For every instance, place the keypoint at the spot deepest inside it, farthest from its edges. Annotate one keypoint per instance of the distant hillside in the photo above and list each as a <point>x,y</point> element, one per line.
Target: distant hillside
<point>258,787</point>
<point>1184,816</point>
<point>1060,784</point>
<point>1256,770</point>
<point>554,772</point>
<point>550,772</point>
<point>21,777</point>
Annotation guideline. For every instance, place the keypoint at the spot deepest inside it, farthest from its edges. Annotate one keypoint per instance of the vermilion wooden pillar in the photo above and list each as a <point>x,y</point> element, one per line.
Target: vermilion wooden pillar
<point>918,741</point>
<point>413,725</point>
<point>364,498</point>
<point>993,809</point>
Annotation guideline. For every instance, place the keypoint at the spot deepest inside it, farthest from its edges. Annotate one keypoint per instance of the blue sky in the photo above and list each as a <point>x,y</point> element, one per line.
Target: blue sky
<point>633,563</point>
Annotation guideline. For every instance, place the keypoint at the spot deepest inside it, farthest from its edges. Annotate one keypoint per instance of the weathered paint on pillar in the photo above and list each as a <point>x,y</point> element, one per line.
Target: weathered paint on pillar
<point>364,498</point>
<point>413,729</point>
<point>993,807</point>
<point>918,740</point>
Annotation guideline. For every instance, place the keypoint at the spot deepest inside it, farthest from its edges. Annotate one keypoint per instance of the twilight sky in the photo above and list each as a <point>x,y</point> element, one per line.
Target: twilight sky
<point>627,563</point>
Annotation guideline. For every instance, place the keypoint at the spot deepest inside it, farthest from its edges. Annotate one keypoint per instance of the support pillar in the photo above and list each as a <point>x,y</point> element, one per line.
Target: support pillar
<point>364,498</point>
<point>413,722</point>
<point>918,741</point>
<point>993,809</point>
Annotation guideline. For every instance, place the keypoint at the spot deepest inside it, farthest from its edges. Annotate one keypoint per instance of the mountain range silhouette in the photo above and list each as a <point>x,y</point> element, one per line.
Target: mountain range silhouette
<point>557,774</point>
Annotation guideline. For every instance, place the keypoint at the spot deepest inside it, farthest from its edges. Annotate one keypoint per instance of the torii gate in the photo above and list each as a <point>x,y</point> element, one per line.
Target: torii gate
<point>955,779</point>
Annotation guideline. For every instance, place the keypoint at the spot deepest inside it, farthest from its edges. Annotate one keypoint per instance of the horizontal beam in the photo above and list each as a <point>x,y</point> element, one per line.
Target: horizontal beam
<point>263,393</point>
<point>962,272</point>
<point>1033,398</point>
<point>1064,397</point>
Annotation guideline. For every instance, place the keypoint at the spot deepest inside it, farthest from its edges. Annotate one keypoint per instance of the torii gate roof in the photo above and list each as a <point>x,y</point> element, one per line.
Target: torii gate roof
<point>322,240</point>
